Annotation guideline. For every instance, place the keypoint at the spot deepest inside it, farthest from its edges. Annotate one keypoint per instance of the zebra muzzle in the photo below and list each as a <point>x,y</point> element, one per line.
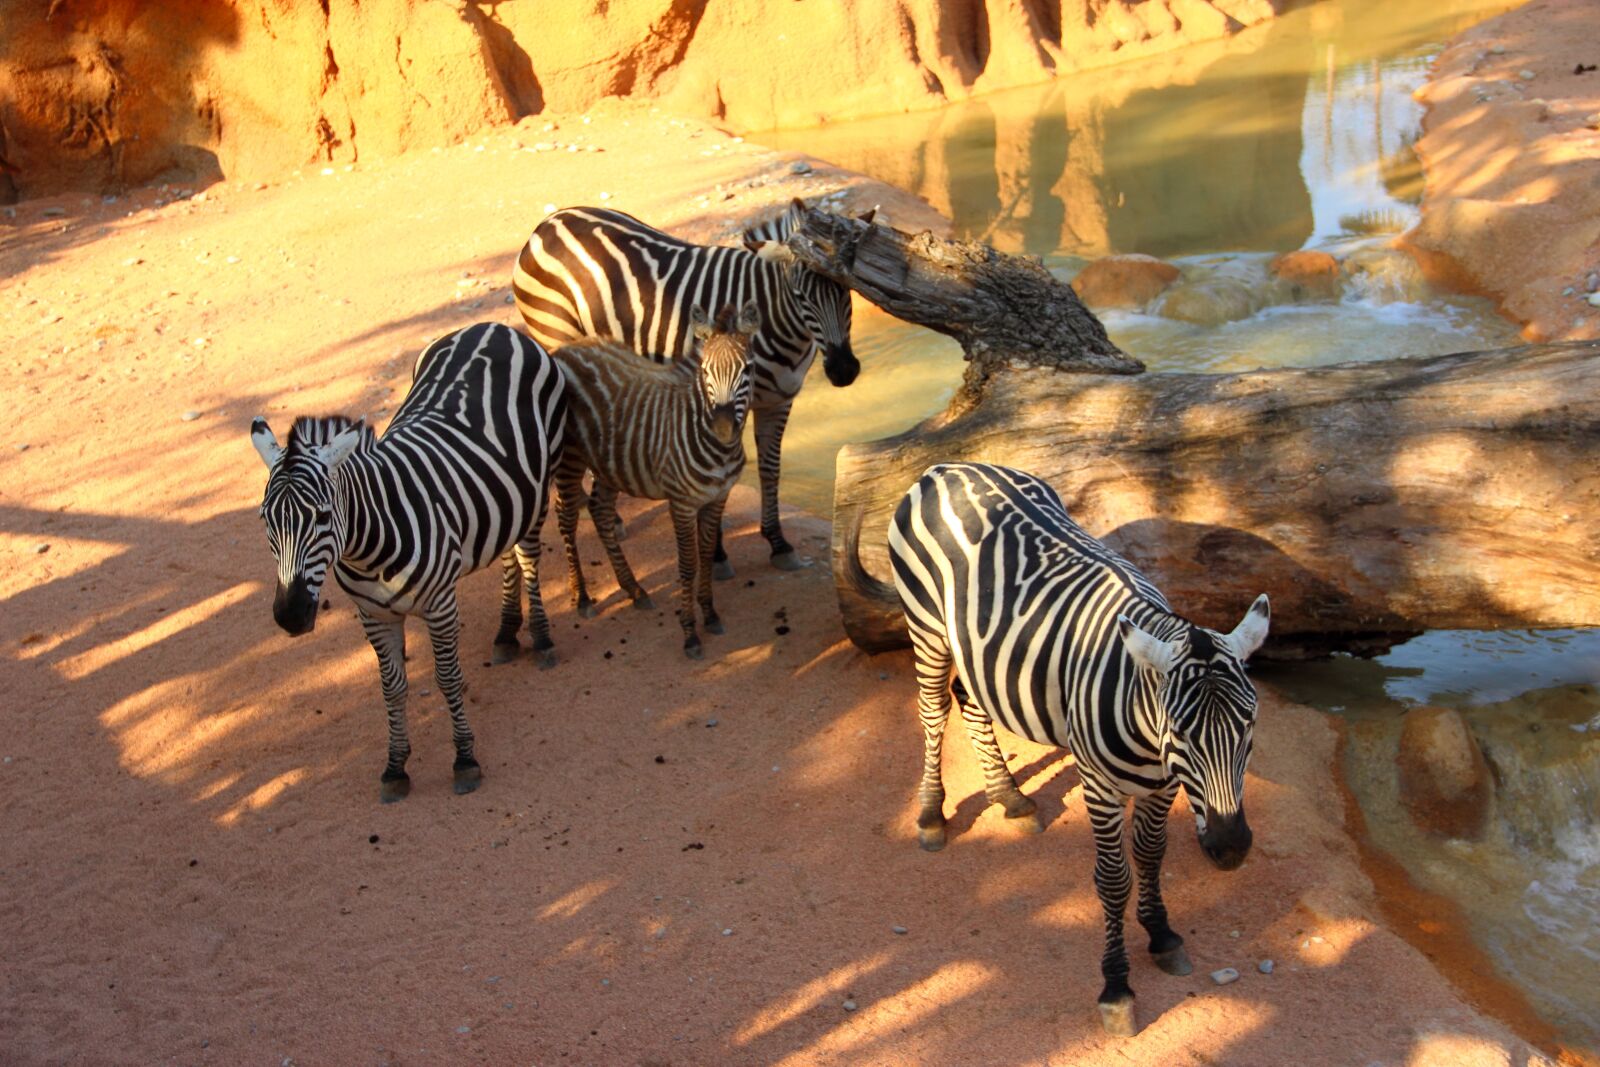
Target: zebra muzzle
<point>294,608</point>
<point>724,425</point>
<point>1226,841</point>
<point>841,365</point>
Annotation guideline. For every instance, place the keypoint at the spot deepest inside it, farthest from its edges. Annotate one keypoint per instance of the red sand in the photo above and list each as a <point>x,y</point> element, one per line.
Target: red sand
<point>194,867</point>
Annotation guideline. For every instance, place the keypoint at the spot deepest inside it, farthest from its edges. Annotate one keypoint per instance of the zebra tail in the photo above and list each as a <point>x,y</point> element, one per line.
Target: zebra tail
<point>855,576</point>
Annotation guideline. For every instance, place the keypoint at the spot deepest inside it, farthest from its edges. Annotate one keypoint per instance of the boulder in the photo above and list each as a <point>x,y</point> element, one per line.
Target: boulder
<point>1445,783</point>
<point>1307,275</point>
<point>1127,281</point>
<point>1210,302</point>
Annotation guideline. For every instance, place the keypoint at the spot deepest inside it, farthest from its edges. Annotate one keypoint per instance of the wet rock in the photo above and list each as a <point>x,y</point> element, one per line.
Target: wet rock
<point>1129,281</point>
<point>1445,783</point>
<point>1210,302</point>
<point>1309,275</point>
<point>1385,275</point>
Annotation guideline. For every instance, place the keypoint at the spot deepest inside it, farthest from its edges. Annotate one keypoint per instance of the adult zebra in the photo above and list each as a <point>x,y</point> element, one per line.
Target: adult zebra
<point>595,273</point>
<point>460,478</point>
<point>1062,641</point>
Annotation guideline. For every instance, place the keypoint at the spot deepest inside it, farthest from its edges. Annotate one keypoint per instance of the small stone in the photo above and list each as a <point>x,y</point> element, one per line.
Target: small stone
<point>1526,75</point>
<point>849,1005</point>
<point>21,446</point>
<point>799,166</point>
<point>189,416</point>
<point>133,261</point>
<point>1233,934</point>
<point>1225,976</point>
<point>1594,300</point>
<point>53,212</point>
<point>41,548</point>
<point>1592,121</point>
<point>463,1029</point>
<point>1498,50</point>
<point>710,723</point>
<point>424,692</point>
<point>605,196</point>
<point>1568,291</point>
<point>1265,966</point>
<point>1592,283</point>
<point>899,929</point>
<point>549,208</point>
<point>510,299</point>
<point>372,839</point>
<point>727,931</point>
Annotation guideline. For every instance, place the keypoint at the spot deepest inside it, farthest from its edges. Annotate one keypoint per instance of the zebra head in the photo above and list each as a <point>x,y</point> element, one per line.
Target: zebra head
<point>1210,711</point>
<point>304,527</point>
<point>823,304</point>
<point>723,358</point>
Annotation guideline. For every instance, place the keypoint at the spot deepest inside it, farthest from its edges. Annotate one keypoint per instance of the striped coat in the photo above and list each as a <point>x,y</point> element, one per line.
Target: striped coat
<point>459,479</point>
<point>596,273</point>
<point>662,432</point>
<point>1036,625</point>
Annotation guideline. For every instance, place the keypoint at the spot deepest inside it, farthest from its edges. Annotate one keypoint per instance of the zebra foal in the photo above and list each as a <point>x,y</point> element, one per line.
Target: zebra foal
<point>595,273</point>
<point>460,478</point>
<point>1057,638</point>
<point>662,432</point>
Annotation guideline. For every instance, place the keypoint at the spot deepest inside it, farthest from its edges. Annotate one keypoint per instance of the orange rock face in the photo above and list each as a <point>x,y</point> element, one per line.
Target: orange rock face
<point>1313,275</point>
<point>1125,281</point>
<point>1444,780</point>
<point>103,93</point>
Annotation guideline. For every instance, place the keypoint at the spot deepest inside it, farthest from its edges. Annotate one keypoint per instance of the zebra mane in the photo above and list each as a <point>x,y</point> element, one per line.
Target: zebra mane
<point>310,431</point>
<point>779,227</point>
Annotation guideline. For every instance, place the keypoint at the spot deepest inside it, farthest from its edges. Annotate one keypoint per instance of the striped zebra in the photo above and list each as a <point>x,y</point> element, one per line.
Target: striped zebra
<point>668,432</point>
<point>592,272</point>
<point>1060,640</point>
<point>460,478</point>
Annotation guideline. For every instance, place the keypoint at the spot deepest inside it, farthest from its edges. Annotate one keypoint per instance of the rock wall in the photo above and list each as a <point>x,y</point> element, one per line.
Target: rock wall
<point>96,94</point>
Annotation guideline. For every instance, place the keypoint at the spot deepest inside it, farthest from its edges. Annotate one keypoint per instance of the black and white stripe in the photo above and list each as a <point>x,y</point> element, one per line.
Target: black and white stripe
<point>670,432</point>
<point>460,478</point>
<point>1057,638</point>
<point>594,273</point>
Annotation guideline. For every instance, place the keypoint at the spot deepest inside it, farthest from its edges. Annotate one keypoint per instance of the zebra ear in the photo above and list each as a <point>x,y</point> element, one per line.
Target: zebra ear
<point>771,251</point>
<point>749,318</point>
<point>338,450</point>
<point>1147,650</point>
<point>1251,631</point>
<point>867,215</point>
<point>266,442</point>
<point>700,323</point>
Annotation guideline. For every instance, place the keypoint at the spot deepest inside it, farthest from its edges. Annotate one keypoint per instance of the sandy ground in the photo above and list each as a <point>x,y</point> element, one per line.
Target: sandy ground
<point>1511,153</point>
<point>669,862</point>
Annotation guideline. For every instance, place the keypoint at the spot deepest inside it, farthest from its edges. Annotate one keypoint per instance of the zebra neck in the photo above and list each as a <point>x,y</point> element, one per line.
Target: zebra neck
<point>351,510</point>
<point>1149,713</point>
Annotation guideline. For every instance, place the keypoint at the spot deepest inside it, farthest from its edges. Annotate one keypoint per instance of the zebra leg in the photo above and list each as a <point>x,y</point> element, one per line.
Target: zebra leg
<point>1149,846</point>
<point>998,784</point>
<point>933,708</point>
<point>770,423</point>
<point>387,634</point>
<point>569,499</point>
<point>710,525</point>
<point>505,641</point>
<point>721,566</point>
<point>1113,883</point>
<point>444,625</point>
<point>603,510</point>
<point>685,524</point>
<point>527,552</point>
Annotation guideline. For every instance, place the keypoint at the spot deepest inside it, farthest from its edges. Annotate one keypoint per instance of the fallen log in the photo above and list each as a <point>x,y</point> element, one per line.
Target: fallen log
<point>1370,500</point>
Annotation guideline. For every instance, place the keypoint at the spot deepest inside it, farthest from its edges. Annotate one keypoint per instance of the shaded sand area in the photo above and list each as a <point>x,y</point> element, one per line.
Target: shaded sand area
<point>1511,153</point>
<point>669,862</point>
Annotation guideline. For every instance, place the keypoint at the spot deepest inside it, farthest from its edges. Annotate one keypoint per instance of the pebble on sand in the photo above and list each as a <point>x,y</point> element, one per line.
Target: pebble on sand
<point>898,929</point>
<point>1265,966</point>
<point>189,416</point>
<point>1225,976</point>
<point>849,1005</point>
<point>41,548</point>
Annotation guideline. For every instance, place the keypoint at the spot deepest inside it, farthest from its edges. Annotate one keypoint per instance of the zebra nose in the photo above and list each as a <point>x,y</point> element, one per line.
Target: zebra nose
<point>1226,841</point>
<point>725,425</point>
<point>841,365</point>
<point>294,608</point>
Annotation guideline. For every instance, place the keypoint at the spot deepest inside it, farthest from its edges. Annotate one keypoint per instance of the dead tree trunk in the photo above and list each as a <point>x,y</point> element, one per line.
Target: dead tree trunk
<point>1006,311</point>
<point>1367,499</point>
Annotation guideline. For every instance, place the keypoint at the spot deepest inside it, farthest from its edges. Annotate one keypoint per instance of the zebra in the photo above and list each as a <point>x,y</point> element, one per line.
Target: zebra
<point>460,477</point>
<point>1057,638</point>
<point>595,272</point>
<point>668,432</point>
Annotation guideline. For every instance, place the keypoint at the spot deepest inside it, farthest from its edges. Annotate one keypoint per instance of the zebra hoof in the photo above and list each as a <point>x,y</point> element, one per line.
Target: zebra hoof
<point>468,776</point>
<point>722,570</point>
<point>395,788</point>
<point>1025,822</point>
<point>1174,961</point>
<point>504,652</point>
<point>931,838</point>
<point>587,609</point>
<point>1116,1017</point>
<point>714,626</point>
<point>693,649</point>
<point>545,658</point>
<point>644,603</point>
<point>790,561</point>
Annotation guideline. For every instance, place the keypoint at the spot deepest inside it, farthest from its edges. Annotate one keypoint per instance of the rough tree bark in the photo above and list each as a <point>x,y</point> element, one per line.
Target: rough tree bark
<point>1367,499</point>
<point>1006,311</point>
